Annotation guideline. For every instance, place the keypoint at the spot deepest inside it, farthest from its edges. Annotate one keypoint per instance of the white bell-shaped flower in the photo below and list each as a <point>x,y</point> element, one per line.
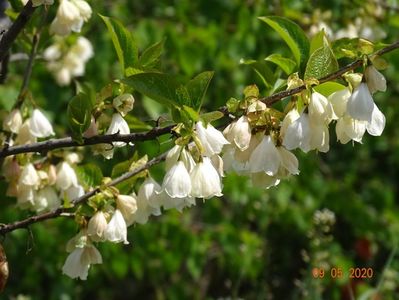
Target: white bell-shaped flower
<point>205,180</point>
<point>173,156</point>
<point>24,135</point>
<point>66,176</point>
<point>82,49</point>
<point>177,203</point>
<point>319,137</point>
<point>116,231</point>
<point>67,19</point>
<point>212,140</point>
<point>73,192</point>
<point>339,101</point>
<point>288,161</point>
<point>239,133</point>
<point>39,125</point>
<point>360,104</point>
<point>348,129</point>
<point>289,118</point>
<point>25,195</point>
<point>127,204</point>
<point>177,183</point>
<point>79,260</point>
<point>123,103</point>
<point>298,134</point>
<point>320,109</point>
<point>265,157</point>
<point>149,200</point>
<point>118,125</point>
<point>84,9</point>
<point>375,80</point>
<point>13,121</point>
<point>29,176</point>
<point>47,198</point>
<point>377,124</point>
<point>97,226</point>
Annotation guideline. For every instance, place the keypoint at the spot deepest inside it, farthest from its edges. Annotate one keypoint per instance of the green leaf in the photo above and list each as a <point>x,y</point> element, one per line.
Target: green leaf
<point>197,88</point>
<point>89,174</point>
<point>150,57</point>
<point>293,35</point>
<point>158,86</point>
<point>212,116</point>
<point>124,44</point>
<point>286,64</point>
<point>193,114</point>
<point>321,63</point>
<point>79,115</point>
<point>262,70</point>
<point>352,48</point>
<point>317,41</point>
<point>327,88</point>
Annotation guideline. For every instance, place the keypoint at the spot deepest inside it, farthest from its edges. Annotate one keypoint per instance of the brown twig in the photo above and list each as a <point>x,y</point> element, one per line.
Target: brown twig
<point>6,228</point>
<point>12,33</point>
<point>99,139</point>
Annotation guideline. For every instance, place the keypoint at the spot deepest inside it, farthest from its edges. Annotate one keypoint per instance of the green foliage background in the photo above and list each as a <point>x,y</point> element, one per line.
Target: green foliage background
<point>250,243</point>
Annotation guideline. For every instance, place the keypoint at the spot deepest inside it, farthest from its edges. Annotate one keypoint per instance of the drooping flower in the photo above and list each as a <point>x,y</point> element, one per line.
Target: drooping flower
<point>212,140</point>
<point>149,200</point>
<point>297,134</point>
<point>177,183</point>
<point>29,176</point>
<point>375,80</point>
<point>377,124</point>
<point>118,125</point>
<point>116,231</point>
<point>239,133</point>
<point>70,17</point>
<point>79,260</point>
<point>320,109</point>
<point>288,160</point>
<point>348,129</point>
<point>66,176</point>
<point>205,180</point>
<point>127,205</point>
<point>360,104</point>
<point>265,157</point>
<point>339,101</point>
<point>24,135</point>
<point>39,125</point>
<point>319,137</point>
<point>46,199</point>
<point>97,226</point>
<point>13,121</point>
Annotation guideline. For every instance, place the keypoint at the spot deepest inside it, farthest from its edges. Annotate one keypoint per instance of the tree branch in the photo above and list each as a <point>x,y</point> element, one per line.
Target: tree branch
<point>6,228</point>
<point>99,139</point>
<point>12,33</point>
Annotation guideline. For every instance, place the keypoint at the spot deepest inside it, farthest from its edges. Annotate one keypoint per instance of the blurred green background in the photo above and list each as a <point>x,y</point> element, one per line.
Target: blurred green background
<point>341,211</point>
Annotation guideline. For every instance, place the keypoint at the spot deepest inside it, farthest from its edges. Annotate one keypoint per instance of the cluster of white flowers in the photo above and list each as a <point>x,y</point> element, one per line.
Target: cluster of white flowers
<point>67,62</point>
<point>71,15</point>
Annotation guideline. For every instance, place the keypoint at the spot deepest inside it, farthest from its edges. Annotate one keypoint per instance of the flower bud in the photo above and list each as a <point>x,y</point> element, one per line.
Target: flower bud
<point>123,103</point>
<point>375,80</point>
<point>127,206</point>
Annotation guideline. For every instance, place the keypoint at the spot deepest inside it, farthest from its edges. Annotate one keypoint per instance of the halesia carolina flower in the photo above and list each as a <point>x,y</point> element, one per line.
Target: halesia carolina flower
<point>377,124</point>
<point>177,183</point>
<point>127,204</point>
<point>239,133</point>
<point>375,80</point>
<point>29,176</point>
<point>348,129</point>
<point>177,203</point>
<point>205,180</point>
<point>97,226</point>
<point>13,121</point>
<point>212,140</point>
<point>39,125</point>
<point>361,104</point>
<point>298,134</point>
<point>46,198</point>
<point>319,137</point>
<point>288,160</point>
<point>149,200</point>
<point>79,260</point>
<point>123,103</point>
<point>289,118</point>
<point>339,101</point>
<point>116,231</point>
<point>24,135</point>
<point>73,192</point>
<point>262,180</point>
<point>265,157</point>
<point>320,109</point>
<point>118,125</point>
<point>66,176</point>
